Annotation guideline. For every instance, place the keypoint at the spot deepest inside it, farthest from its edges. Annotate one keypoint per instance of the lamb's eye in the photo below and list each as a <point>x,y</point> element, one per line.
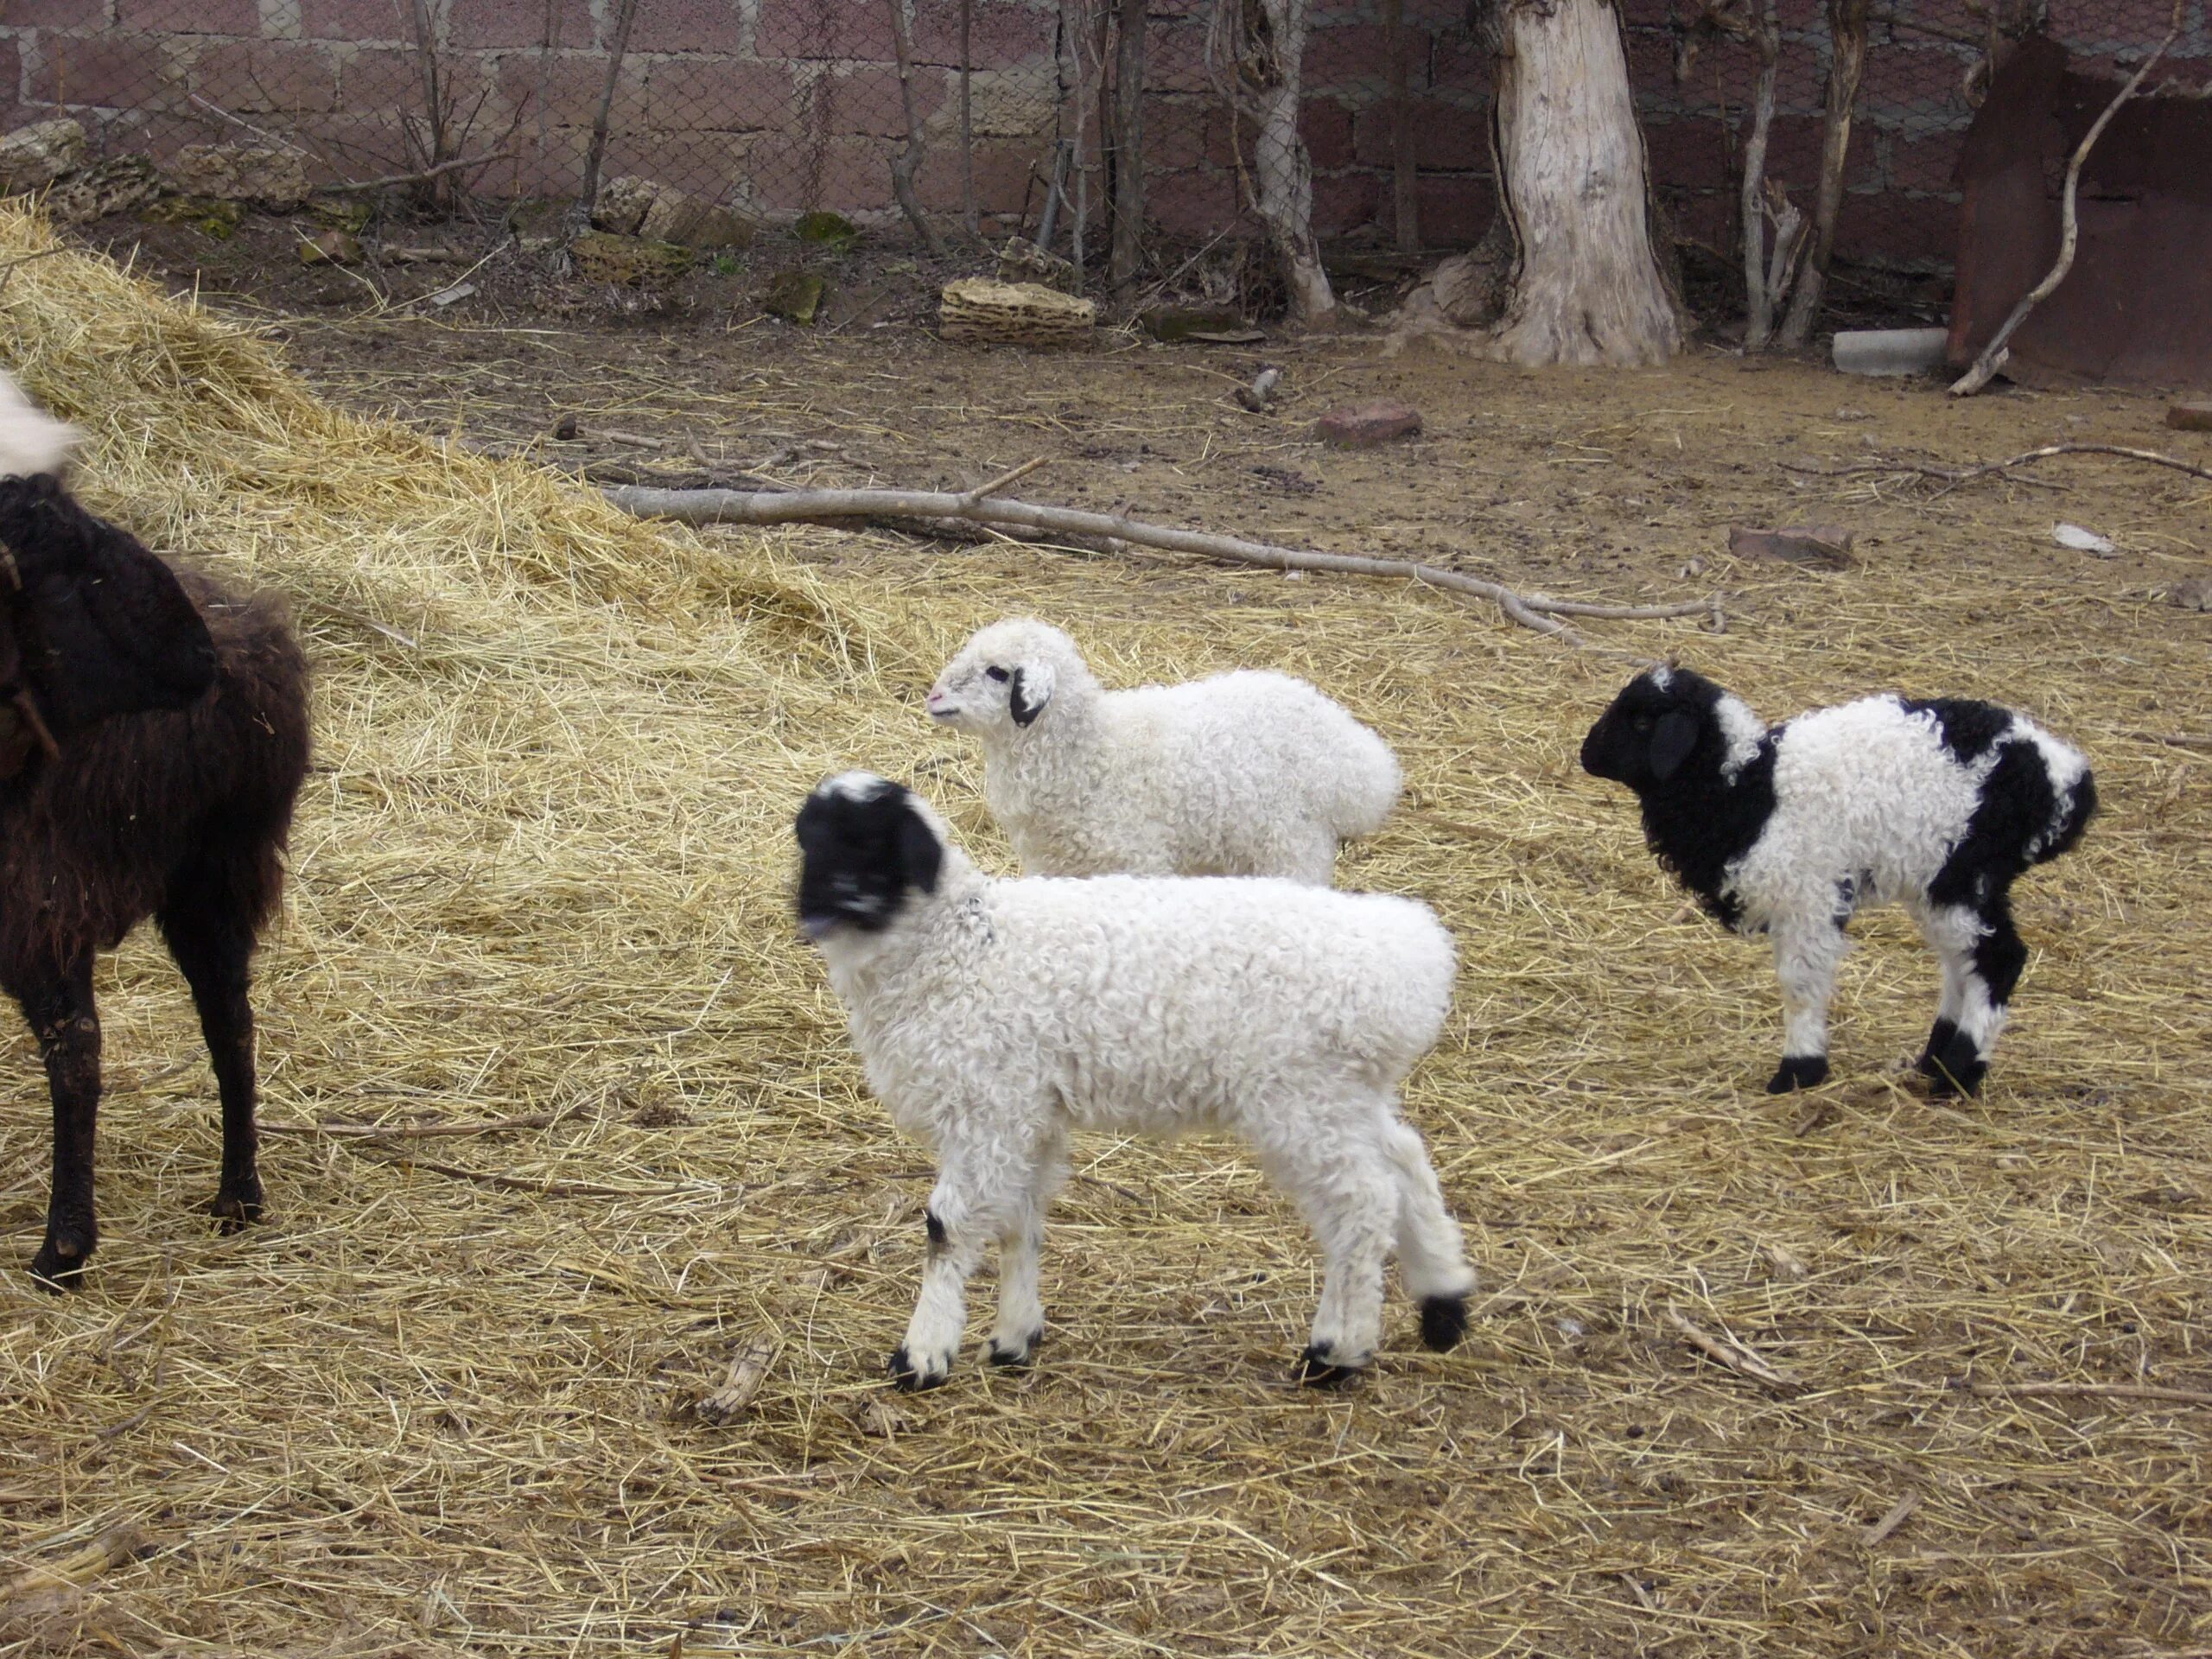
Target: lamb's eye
<point>1642,723</point>
<point>998,674</point>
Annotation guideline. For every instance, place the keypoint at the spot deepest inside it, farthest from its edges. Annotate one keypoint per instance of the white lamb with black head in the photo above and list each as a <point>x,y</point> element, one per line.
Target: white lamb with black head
<point>996,1016</point>
<point>1935,805</point>
<point>1247,773</point>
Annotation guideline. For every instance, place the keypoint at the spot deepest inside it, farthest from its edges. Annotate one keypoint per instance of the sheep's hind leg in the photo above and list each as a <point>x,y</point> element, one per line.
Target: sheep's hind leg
<point>212,945</point>
<point>1805,958</point>
<point>1021,1324</point>
<point>1348,1195</point>
<point>1432,1259</point>
<point>57,1002</point>
<point>1984,952</point>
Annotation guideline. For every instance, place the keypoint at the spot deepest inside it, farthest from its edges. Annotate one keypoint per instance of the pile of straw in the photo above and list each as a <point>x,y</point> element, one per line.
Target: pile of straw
<point>538,938</point>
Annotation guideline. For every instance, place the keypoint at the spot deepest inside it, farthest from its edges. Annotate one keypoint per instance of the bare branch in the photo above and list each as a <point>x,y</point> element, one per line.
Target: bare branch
<point>1994,354</point>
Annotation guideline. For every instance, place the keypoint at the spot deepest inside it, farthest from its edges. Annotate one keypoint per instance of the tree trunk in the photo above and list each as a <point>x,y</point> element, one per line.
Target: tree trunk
<point>909,160</point>
<point>1268,70</point>
<point>1128,258</point>
<point>1760,297</point>
<point>1846,62</point>
<point>1587,286</point>
<point>1405,182</point>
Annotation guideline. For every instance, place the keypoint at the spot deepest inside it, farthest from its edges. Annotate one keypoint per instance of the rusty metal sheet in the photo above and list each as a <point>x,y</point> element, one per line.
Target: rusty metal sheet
<point>2137,307</point>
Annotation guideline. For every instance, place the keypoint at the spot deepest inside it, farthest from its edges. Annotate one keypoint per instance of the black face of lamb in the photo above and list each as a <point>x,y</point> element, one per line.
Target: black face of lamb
<point>101,627</point>
<point>859,859</point>
<point>1666,743</point>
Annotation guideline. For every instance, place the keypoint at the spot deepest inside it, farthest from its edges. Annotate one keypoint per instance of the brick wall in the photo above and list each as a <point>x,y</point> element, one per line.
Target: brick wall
<point>785,105</point>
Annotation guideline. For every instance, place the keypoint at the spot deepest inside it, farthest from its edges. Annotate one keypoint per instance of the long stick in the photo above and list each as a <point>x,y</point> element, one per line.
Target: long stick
<point>1955,476</point>
<point>1128,255</point>
<point>794,506</point>
<point>1760,299</point>
<point>616,53</point>
<point>1405,210</point>
<point>971,216</point>
<point>1846,64</point>
<point>1994,354</point>
<point>909,158</point>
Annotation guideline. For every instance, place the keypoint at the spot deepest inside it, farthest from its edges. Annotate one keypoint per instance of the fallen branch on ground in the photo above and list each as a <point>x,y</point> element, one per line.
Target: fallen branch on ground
<point>1536,611</point>
<point>1954,476</point>
<point>391,181</point>
<point>1994,354</point>
<point>1731,1353</point>
<point>2099,1390</point>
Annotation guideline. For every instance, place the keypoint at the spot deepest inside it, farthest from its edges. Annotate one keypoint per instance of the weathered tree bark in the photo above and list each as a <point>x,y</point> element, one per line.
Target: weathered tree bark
<point>1128,256</point>
<point>1262,74</point>
<point>909,159</point>
<point>1405,182</point>
<point>1586,285</point>
<point>595,158</point>
<point>970,216</point>
<point>1761,296</point>
<point>1846,63</point>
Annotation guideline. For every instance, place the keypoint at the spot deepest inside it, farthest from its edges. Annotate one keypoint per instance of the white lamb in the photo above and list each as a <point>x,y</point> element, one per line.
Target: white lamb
<point>994,1016</point>
<point>1248,773</point>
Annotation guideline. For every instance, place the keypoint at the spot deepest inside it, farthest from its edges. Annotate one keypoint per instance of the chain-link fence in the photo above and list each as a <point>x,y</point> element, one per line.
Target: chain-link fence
<point>1017,112</point>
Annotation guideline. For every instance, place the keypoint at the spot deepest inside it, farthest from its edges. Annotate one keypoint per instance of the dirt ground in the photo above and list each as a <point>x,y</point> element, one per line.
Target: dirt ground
<point>444,1403</point>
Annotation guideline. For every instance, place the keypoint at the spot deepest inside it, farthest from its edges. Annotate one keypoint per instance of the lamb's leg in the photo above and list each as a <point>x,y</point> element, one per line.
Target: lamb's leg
<point>57,1000</point>
<point>1956,965</point>
<point>1348,1193</point>
<point>1984,951</point>
<point>1021,1323</point>
<point>1432,1260</point>
<point>969,1207</point>
<point>212,945</point>
<point>1805,957</point>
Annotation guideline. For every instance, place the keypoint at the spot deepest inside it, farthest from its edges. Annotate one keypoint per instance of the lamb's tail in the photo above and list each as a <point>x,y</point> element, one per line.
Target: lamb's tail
<point>2075,806</point>
<point>31,440</point>
<point>1367,785</point>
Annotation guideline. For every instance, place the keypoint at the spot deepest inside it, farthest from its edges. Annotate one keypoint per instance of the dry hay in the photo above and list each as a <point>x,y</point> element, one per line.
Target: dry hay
<point>441,1402</point>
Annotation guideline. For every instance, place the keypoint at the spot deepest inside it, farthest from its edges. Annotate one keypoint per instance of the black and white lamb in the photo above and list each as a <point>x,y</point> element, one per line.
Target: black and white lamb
<point>153,736</point>
<point>1935,805</point>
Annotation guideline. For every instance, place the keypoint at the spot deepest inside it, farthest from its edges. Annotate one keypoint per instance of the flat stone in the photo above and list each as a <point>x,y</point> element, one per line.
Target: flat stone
<point>1823,547</point>
<point>1023,261</point>
<point>39,154</point>
<point>621,204</point>
<point>630,261</point>
<point>1362,426</point>
<point>1171,323</point>
<point>676,217</point>
<point>2190,417</point>
<point>795,296</point>
<point>259,174</point>
<point>121,184</point>
<point>331,248</point>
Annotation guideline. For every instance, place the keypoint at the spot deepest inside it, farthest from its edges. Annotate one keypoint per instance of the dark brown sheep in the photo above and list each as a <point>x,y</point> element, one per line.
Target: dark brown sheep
<point>153,737</point>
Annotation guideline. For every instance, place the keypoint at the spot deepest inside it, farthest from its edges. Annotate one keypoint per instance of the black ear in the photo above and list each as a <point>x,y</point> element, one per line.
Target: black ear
<point>1671,743</point>
<point>111,630</point>
<point>919,850</point>
<point>1018,699</point>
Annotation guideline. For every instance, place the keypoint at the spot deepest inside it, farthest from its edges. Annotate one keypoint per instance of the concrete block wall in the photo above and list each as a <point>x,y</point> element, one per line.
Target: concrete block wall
<point>787,105</point>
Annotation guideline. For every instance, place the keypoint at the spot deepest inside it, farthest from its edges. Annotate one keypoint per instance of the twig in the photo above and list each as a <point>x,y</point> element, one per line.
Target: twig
<point>545,1189</point>
<point>412,1131</point>
<point>1899,1514</point>
<point>361,618</point>
<point>1994,354</point>
<point>2171,740</point>
<point>8,270</point>
<point>795,507</point>
<point>2104,1390</point>
<point>424,176</point>
<point>1731,1353</point>
<point>1004,479</point>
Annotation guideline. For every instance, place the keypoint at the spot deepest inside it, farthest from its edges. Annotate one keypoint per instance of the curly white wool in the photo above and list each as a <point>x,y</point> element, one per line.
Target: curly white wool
<point>1246,774</point>
<point>996,1016</point>
<point>31,440</point>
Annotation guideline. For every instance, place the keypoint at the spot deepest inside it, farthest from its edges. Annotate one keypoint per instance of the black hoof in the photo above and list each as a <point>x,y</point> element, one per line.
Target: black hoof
<point>1443,1322</point>
<point>1014,1358</point>
<point>234,1213</point>
<point>911,1380</point>
<point>1955,1069</point>
<point>1940,1038</point>
<point>1317,1370</point>
<point>1799,1072</point>
<point>55,1273</point>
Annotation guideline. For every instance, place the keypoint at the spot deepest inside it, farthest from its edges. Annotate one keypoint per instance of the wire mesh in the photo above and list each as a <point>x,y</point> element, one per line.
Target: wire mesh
<point>779,107</point>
